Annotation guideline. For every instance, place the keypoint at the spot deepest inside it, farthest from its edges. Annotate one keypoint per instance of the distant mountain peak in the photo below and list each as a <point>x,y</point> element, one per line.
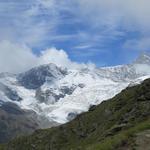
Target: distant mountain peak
<point>36,77</point>
<point>144,58</point>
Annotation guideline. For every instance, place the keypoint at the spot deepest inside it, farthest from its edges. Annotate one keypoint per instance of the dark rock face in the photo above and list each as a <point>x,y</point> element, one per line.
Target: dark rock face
<point>49,96</point>
<point>92,108</point>
<point>71,116</point>
<point>36,77</point>
<point>81,85</point>
<point>11,108</point>
<point>1,102</point>
<point>11,94</point>
<point>14,121</point>
<point>68,90</point>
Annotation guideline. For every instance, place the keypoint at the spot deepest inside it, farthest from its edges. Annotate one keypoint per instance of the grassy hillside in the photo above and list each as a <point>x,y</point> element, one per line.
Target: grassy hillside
<point>116,124</point>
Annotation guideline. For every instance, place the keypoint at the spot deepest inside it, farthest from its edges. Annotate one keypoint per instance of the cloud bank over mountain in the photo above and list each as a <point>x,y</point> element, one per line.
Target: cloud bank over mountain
<point>16,58</point>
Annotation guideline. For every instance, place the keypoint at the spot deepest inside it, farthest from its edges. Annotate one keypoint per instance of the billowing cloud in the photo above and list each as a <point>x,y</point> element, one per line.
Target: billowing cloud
<point>16,58</point>
<point>61,58</point>
<point>58,57</point>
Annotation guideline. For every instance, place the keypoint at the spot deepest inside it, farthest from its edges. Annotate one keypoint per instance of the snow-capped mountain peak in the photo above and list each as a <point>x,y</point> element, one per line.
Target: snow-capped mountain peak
<point>59,94</point>
<point>144,58</point>
<point>37,76</point>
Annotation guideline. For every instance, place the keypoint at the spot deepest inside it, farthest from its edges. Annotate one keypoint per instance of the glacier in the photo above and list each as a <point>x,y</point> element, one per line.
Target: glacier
<point>59,94</point>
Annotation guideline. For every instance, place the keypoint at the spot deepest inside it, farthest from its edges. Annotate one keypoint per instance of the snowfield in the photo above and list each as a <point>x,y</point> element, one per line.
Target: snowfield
<point>62,94</point>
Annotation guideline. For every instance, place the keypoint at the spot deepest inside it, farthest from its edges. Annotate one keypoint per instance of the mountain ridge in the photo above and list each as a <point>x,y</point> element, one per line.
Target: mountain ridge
<point>59,94</point>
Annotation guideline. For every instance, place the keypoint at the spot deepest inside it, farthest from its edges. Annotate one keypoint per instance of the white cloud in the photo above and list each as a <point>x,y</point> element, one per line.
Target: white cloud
<point>116,16</point>
<point>60,58</point>
<point>33,22</point>
<point>55,56</point>
<point>16,58</point>
<point>130,14</point>
<point>21,21</point>
<point>86,46</point>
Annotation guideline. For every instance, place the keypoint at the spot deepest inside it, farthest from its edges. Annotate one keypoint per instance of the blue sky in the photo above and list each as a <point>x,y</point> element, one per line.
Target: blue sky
<point>109,32</point>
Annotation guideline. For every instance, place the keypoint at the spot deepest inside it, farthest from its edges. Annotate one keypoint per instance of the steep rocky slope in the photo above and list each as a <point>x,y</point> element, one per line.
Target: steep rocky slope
<point>15,121</point>
<point>121,123</point>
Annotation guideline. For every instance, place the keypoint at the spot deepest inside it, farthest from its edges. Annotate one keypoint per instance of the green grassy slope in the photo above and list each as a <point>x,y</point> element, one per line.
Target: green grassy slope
<point>112,125</point>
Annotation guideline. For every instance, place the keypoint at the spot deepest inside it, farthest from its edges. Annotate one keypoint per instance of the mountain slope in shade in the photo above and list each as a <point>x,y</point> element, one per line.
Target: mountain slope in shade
<point>121,123</point>
<point>14,122</point>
